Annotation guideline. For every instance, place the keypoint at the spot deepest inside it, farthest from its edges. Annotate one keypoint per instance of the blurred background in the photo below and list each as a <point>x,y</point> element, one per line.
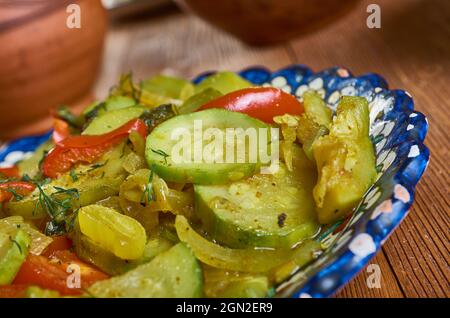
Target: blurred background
<point>43,64</point>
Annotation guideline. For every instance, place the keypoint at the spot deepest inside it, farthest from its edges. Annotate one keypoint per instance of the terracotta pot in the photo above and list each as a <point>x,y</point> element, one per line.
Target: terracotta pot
<point>44,63</point>
<point>261,22</point>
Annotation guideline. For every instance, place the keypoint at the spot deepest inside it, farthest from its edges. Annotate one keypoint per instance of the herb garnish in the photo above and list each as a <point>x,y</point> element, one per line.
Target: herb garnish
<point>37,179</point>
<point>16,243</point>
<point>17,196</point>
<point>73,175</point>
<point>94,112</point>
<point>161,153</point>
<point>65,114</point>
<point>57,205</point>
<point>148,189</point>
<point>97,165</point>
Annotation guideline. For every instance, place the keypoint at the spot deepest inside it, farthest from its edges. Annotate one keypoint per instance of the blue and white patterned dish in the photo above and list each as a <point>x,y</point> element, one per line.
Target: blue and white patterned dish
<point>397,132</point>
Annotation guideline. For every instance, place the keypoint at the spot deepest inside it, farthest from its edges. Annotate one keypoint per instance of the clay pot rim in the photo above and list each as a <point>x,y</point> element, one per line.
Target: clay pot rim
<point>52,6</point>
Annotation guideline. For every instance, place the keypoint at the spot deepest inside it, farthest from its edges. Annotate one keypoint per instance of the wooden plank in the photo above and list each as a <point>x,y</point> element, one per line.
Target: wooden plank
<point>411,53</point>
<point>363,285</point>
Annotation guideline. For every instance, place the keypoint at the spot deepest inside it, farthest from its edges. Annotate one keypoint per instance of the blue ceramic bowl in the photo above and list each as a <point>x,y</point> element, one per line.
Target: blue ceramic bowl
<point>397,132</point>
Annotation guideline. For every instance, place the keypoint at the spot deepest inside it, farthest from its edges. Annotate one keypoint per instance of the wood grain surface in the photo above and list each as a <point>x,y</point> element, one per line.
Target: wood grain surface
<point>411,50</point>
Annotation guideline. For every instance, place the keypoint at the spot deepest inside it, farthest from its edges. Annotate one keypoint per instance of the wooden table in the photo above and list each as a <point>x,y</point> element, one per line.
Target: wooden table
<point>411,50</point>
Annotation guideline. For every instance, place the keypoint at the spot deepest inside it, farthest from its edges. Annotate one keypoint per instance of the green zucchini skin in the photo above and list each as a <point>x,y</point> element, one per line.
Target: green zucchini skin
<point>160,142</point>
<point>17,248</point>
<point>261,211</point>
<point>175,273</point>
<point>113,119</point>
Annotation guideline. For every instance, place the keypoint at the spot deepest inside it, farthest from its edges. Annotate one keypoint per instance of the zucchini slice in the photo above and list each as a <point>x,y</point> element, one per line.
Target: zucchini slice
<point>345,161</point>
<point>172,161</point>
<point>93,182</point>
<point>13,251</point>
<point>112,119</point>
<point>225,82</point>
<point>266,210</point>
<point>175,273</point>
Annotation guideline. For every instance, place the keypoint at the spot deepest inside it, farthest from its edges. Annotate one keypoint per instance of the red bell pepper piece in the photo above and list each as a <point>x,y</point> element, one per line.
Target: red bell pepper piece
<point>86,148</point>
<point>52,273</point>
<point>8,189</point>
<point>61,130</point>
<point>259,102</point>
<point>10,172</point>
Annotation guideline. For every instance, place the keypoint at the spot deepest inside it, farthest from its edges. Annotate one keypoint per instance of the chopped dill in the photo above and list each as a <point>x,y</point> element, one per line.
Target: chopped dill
<point>57,205</point>
<point>71,191</point>
<point>73,175</point>
<point>148,190</point>
<point>17,196</point>
<point>64,113</point>
<point>16,243</point>
<point>94,112</point>
<point>36,179</point>
<point>97,165</point>
<point>161,153</point>
<point>71,220</point>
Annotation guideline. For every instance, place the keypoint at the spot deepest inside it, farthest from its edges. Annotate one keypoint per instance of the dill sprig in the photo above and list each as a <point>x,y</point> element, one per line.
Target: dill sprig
<point>148,190</point>
<point>64,113</point>
<point>16,244</point>
<point>70,222</point>
<point>73,175</point>
<point>97,165</point>
<point>57,205</point>
<point>17,196</point>
<point>161,153</point>
<point>94,112</point>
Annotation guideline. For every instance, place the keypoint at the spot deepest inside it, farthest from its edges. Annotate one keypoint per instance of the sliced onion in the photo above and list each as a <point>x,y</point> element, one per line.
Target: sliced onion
<point>39,241</point>
<point>244,260</point>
